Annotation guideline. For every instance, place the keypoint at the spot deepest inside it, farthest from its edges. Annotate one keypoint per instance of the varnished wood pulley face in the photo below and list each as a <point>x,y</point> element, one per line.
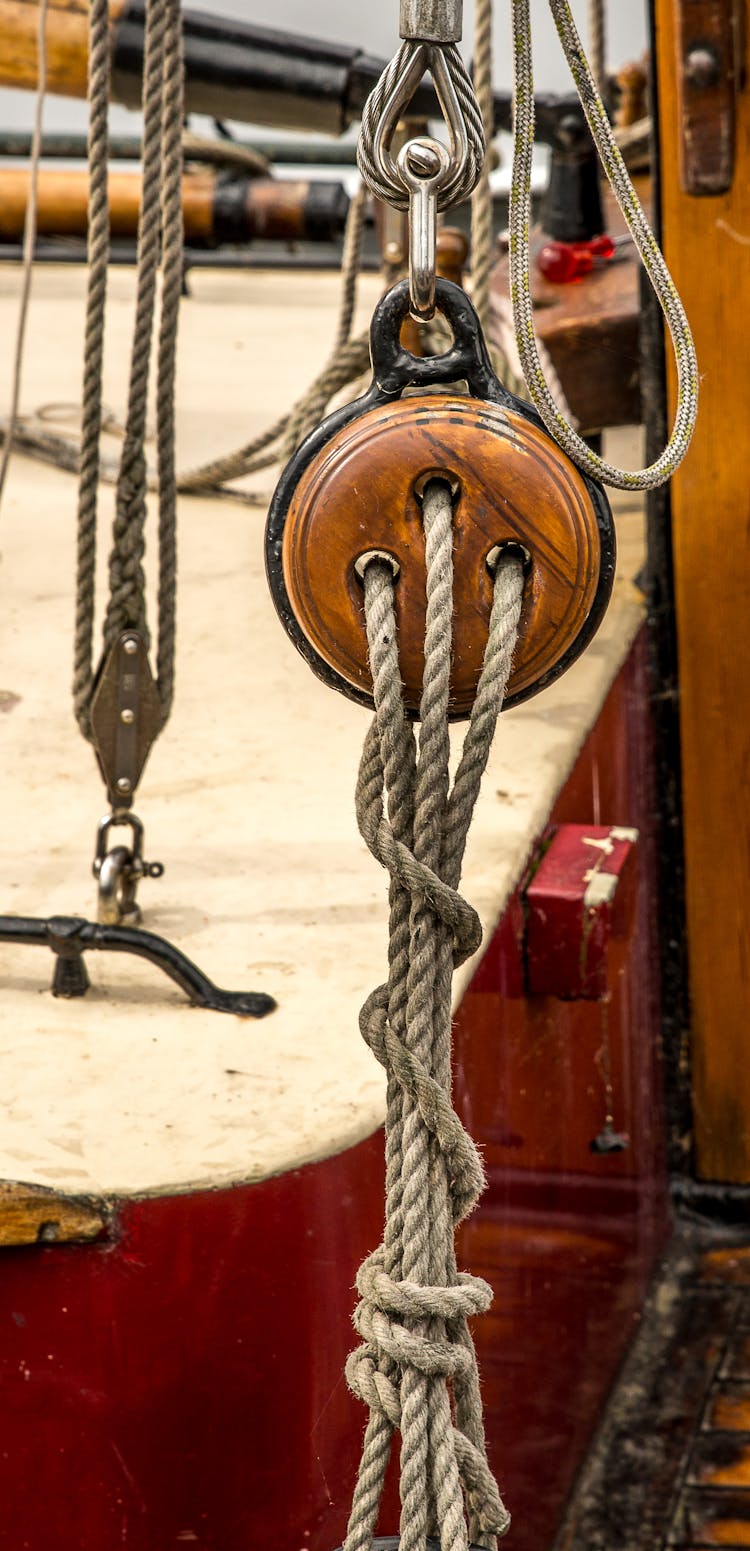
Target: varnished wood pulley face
<point>355,487</point>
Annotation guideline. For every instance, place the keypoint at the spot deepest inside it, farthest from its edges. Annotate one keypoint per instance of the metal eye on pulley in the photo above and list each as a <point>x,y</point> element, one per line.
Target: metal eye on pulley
<point>354,487</point>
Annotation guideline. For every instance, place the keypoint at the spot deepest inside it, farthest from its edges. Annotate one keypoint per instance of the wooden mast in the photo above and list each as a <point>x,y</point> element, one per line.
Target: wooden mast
<point>707,245</point>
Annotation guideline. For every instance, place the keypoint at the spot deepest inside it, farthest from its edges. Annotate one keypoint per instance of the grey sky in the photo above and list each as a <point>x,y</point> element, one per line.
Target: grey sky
<point>375,28</point>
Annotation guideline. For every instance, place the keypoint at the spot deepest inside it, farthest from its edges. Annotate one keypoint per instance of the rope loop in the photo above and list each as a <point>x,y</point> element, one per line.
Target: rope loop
<point>643,237</point>
<point>416,1368</point>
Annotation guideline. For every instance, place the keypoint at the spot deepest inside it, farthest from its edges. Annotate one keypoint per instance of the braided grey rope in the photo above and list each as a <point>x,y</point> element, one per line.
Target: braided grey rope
<point>159,235</point>
<point>481,207</point>
<point>519,222</point>
<point>460,185</point>
<point>414,1304</point>
<point>29,242</point>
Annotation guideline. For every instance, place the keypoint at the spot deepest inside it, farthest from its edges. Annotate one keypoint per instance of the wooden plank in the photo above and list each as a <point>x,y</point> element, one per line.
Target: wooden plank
<point>29,1214</point>
<point>721,1459</point>
<point>731,1264</point>
<point>736,1364</point>
<point>712,1519</point>
<point>707,245</point>
<point>728,1410</point>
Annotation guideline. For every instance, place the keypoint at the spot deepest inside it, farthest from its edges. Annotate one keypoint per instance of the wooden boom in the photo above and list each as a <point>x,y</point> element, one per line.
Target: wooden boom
<point>215,209</point>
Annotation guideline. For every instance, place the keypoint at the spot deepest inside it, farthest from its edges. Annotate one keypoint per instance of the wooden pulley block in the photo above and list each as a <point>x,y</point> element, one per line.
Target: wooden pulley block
<point>355,487</point>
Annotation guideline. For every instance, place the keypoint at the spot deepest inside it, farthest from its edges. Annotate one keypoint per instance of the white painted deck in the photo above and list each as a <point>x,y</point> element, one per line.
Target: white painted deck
<point>247,798</point>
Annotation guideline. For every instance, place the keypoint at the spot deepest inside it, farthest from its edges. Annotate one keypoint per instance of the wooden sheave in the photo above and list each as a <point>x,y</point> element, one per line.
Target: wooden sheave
<point>706,242</point>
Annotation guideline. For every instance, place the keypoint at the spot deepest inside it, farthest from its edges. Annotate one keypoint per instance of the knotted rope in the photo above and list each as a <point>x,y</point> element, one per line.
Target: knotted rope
<point>416,1368</point>
<point>160,236</point>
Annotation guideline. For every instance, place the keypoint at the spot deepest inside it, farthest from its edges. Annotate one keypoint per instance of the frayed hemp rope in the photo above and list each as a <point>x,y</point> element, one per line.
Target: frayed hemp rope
<point>416,1368</point>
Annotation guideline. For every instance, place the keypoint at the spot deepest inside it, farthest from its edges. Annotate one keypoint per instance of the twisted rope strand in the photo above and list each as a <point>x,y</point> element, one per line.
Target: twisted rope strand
<point>29,241</point>
<point>126,606</point>
<point>414,1304</point>
<point>160,236</point>
<point>93,356</point>
<point>519,222</point>
<point>481,205</point>
<point>172,279</point>
<point>349,358</point>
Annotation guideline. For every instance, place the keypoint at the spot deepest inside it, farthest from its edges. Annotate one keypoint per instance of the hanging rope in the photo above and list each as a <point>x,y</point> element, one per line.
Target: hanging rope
<point>598,43</point>
<point>29,241</point>
<point>159,234</point>
<point>414,1303</point>
<point>481,205</point>
<point>648,248</point>
<point>348,359</point>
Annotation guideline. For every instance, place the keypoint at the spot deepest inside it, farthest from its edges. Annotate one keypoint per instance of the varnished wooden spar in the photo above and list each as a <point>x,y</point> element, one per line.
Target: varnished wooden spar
<point>215,209</point>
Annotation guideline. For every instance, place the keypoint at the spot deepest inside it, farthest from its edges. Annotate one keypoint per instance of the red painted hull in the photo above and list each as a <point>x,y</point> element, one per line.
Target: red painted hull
<point>182,1384</point>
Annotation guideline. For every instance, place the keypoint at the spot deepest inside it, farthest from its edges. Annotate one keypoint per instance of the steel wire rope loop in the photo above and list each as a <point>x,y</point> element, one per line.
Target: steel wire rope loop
<point>519,222</point>
<point>386,104</point>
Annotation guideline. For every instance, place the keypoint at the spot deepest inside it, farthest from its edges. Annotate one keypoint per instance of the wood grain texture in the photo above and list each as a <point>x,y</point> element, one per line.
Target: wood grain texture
<point>359,495</point>
<point>271,209</point>
<point>62,207</point>
<point>67,44</point>
<point>30,1214</point>
<point>707,245</point>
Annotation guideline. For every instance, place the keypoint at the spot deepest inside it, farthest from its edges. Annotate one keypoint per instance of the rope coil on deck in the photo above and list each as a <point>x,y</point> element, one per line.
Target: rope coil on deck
<point>416,1369</point>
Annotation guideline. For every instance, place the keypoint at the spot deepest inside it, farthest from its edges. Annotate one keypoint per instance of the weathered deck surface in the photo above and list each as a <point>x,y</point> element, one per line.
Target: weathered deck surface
<point>247,798</point>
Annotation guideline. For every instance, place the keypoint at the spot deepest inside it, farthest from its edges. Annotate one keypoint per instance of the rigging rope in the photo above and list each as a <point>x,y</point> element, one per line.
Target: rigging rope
<point>481,205</point>
<point>29,240</point>
<point>598,43</point>
<point>159,233</point>
<point>348,359</point>
<point>414,1303</point>
<point>643,237</point>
